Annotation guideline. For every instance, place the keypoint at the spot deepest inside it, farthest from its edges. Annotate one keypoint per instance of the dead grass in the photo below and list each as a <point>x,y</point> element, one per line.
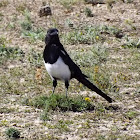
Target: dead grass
<point>115,62</point>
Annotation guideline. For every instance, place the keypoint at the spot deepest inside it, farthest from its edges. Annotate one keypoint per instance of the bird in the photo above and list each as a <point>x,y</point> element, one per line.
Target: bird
<point>61,67</point>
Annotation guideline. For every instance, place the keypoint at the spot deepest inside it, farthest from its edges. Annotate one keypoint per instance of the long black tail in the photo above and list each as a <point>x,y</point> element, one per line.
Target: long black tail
<point>88,84</point>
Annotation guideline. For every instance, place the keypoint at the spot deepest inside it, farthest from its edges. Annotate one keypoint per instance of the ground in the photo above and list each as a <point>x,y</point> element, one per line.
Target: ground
<point>103,39</point>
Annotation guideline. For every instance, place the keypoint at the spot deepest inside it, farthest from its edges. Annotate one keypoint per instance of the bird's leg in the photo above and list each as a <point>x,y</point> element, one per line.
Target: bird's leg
<point>67,86</point>
<point>54,84</point>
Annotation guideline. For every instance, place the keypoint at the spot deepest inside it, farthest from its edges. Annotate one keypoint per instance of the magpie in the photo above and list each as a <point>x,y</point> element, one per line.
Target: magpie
<point>60,66</point>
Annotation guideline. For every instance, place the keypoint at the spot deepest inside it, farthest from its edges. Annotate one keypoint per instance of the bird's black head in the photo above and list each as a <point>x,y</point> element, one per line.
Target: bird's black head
<point>52,32</point>
<point>52,36</point>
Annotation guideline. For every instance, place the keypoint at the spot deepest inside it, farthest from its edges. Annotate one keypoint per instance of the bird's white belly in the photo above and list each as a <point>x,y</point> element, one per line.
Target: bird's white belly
<point>58,70</point>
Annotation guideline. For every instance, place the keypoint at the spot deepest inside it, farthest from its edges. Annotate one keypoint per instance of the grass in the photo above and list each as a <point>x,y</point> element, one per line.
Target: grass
<point>88,12</point>
<point>59,102</point>
<point>90,34</point>
<point>1,16</point>
<point>108,53</point>
<point>35,58</point>
<point>62,103</point>
<point>10,53</point>
<point>3,41</point>
<point>99,56</point>
<point>6,110</point>
<point>4,3</point>
<point>21,7</point>
<point>29,31</point>
<point>62,125</point>
<point>131,114</point>
<point>12,133</point>
<point>97,53</point>
<point>68,4</point>
<point>85,35</point>
<point>130,24</point>
<point>131,43</point>
<point>34,35</point>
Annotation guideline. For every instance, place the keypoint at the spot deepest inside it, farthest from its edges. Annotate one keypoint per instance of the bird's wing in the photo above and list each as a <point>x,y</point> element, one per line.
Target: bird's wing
<point>75,70</point>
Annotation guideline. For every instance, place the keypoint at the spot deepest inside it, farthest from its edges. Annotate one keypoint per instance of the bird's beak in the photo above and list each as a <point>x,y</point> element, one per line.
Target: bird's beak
<point>54,33</point>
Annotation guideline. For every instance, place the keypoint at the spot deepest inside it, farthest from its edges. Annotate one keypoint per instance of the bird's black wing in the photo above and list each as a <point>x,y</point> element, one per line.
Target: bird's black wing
<point>77,73</point>
<point>75,70</point>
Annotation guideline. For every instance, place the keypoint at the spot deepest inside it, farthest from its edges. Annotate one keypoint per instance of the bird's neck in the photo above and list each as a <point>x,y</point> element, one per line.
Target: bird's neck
<point>55,40</point>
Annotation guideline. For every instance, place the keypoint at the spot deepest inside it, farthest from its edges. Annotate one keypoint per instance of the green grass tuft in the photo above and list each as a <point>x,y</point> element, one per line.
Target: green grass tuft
<point>29,31</point>
<point>62,103</point>
<point>83,35</point>
<point>88,12</point>
<point>10,53</point>
<point>90,34</point>
<point>12,133</point>
<point>130,43</point>
<point>131,114</point>
<point>95,55</point>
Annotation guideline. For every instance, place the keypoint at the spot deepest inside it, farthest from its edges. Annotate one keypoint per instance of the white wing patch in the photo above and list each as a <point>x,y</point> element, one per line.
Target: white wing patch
<point>63,52</point>
<point>58,70</point>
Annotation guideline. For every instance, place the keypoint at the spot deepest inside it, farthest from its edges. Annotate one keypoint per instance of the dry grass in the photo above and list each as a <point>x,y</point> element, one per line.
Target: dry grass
<point>112,54</point>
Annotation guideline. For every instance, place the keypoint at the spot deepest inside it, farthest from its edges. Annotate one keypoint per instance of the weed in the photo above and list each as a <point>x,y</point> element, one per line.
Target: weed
<point>39,102</point>
<point>64,104</point>
<point>131,114</point>
<point>68,4</point>
<point>69,23</point>
<point>88,12</point>
<point>61,102</point>
<point>34,35</point>
<point>101,137</point>
<point>1,16</point>
<point>117,135</point>
<point>130,24</point>
<point>110,30</point>
<point>21,7</point>
<point>10,52</point>
<point>26,24</point>
<point>35,58</point>
<point>6,110</point>
<point>94,56</point>
<point>3,42</point>
<point>102,80</point>
<point>12,133</point>
<point>4,3</point>
<point>11,25</point>
<point>90,34</point>
<point>84,35</point>
<point>131,43</point>
<point>110,3</point>
<point>4,123</point>
<point>128,1</point>
<point>45,116</point>
<point>51,137</point>
<point>29,31</point>
<point>62,126</point>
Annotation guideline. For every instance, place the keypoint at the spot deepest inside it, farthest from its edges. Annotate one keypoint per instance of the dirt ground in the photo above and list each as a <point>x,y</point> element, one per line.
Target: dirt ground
<point>121,123</point>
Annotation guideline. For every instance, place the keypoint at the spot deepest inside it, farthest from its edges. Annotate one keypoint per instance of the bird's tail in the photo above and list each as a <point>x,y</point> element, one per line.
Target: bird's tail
<point>88,84</point>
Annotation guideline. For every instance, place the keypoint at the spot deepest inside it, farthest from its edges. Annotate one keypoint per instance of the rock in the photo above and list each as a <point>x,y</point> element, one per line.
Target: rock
<point>94,2</point>
<point>45,11</point>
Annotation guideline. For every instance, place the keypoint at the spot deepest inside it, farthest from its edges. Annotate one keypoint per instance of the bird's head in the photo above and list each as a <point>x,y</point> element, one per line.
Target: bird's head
<point>52,36</point>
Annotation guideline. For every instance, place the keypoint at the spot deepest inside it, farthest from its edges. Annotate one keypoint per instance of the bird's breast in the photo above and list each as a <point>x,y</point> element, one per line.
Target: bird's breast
<point>58,70</point>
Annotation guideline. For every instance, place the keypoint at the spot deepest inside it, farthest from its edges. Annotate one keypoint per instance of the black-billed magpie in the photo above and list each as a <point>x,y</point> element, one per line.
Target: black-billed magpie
<point>61,67</point>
